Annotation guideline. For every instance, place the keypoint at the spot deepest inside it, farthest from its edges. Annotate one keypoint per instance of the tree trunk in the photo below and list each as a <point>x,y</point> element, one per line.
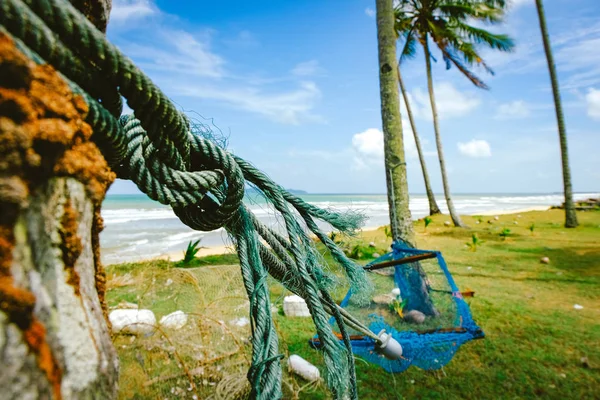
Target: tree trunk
<point>438,140</point>
<point>570,214</point>
<point>395,164</point>
<point>54,336</point>
<point>393,141</point>
<point>433,207</point>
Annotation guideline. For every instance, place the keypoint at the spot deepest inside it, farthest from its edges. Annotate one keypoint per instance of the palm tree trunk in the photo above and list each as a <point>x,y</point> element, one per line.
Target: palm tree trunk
<point>438,140</point>
<point>393,141</point>
<point>395,161</point>
<point>570,215</point>
<point>433,207</point>
<point>54,334</point>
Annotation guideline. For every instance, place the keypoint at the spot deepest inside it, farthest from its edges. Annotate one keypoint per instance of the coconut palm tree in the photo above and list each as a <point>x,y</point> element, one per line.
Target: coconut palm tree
<point>393,141</point>
<point>446,24</point>
<point>433,207</point>
<point>395,161</point>
<point>570,215</point>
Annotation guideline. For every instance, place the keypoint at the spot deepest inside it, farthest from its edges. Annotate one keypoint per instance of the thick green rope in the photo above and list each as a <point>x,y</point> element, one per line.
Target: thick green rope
<point>202,182</point>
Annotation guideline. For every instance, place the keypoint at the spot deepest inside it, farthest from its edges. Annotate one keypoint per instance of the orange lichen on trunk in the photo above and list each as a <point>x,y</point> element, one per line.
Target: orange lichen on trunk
<point>43,134</point>
<point>35,337</point>
<point>71,245</point>
<point>18,304</point>
<point>100,273</point>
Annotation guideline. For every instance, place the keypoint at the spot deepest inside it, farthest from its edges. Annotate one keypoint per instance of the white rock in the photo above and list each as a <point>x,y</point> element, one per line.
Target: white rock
<point>132,321</point>
<point>169,282</point>
<point>516,223</point>
<point>469,268</point>
<point>545,260</point>
<point>376,255</point>
<point>396,291</point>
<point>447,223</point>
<point>300,366</point>
<point>241,322</point>
<point>415,317</point>
<point>372,244</point>
<point>578,307</point>
<point>175,320</point>
<point>295,306</point>
<point>496,218</point>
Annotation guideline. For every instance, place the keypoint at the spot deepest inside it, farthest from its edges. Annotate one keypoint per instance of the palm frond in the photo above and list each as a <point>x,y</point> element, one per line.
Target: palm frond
<point>451,57</point>
<point>481,36</point>
<point>447,22</point>
<point>409,50</point>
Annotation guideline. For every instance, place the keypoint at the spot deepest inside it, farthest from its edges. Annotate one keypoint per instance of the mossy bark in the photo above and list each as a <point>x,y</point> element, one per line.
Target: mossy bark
<point>393,140</point>
<point>71,355</point>
<point>395,161</point>
<point>54,336</point>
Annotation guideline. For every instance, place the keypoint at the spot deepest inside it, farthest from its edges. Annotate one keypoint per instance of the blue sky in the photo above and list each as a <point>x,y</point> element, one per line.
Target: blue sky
<point>294,85</point>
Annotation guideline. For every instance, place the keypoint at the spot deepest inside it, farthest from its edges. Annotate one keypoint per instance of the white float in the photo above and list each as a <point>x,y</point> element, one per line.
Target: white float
<point>295,306</point>
<point>303,368</point>
<point>175,320</point>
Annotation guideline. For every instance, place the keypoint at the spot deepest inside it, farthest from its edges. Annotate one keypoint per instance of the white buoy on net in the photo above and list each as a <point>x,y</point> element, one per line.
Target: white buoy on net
<point>300,366</point>
<point>389,347</point>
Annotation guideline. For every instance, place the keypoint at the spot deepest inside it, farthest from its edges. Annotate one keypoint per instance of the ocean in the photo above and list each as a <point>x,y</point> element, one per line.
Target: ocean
<point>139,228</point>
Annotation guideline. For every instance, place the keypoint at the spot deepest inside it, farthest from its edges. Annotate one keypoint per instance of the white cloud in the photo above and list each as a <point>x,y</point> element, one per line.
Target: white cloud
<point>370,12</point>
<point>129,10</point>
<point>513,110</point>
<point>368,146</point>
<point>574,44</point>
<point>450,101</point>
<point>593,103</point>
<point>475,148</point>
<point>581,59</point>
<point>177,52</point>
<point>185,64</point>
<point>519,3</point>
<point>289,107</point>
<point>306,68</point>
<point>368,149</point>
<point>369,143</point>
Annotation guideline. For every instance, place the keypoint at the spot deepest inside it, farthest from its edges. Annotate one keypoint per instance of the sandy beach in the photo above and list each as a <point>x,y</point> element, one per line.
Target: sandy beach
<point>222,249</point>
<point>205,251</point>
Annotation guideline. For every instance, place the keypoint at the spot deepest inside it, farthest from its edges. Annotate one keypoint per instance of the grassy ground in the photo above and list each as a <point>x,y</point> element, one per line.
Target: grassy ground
<point>537,344</point>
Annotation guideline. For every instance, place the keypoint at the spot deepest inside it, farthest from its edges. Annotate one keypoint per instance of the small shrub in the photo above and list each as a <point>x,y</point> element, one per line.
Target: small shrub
<point>474,243</point>
<point>398,307</point>
<point>362,252</point>
<point>336,238</point>
<point>531,228</point>
<point>505,233</point>
<point>388,232</point>
<point>427,221</point>
<point>190,253</point>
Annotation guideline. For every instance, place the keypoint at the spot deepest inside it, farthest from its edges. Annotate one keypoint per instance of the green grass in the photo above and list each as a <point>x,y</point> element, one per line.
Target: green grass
<point>534,343</point>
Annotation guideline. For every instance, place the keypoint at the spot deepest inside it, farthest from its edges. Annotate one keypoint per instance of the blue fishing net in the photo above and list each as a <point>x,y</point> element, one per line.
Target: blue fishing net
<point>442,324</point>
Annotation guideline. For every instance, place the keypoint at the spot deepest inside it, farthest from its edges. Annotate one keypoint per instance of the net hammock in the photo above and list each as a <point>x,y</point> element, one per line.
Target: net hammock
<point>420,306</point>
